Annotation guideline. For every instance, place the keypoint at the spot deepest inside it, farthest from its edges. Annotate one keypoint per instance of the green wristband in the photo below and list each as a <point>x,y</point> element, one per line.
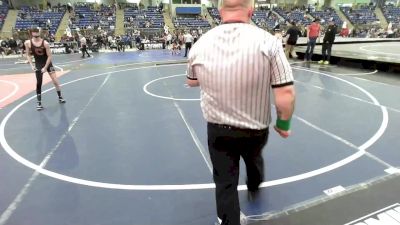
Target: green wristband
<point>283,124</point>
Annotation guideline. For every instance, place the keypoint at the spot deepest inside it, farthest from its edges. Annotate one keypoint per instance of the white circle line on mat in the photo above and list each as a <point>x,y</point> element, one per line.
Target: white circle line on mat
<point>145,89</point>
<point>15,90</point>
<point>358,154</point>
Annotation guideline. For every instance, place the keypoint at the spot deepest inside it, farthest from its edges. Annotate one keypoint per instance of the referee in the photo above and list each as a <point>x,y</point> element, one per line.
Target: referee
<point>235,65</point>
<point>84,47</point>
<point>188,42</point>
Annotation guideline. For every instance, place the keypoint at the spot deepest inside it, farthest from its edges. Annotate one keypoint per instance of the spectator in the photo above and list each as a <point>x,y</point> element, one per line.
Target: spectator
<point>188,42</point>
<point>345,32</point>
<point>12,44</point>
<point>166,29</point>
<point>328,41</point>
<point>120,44</point>
<point>84,46</point>
<point>69,7</point>
<point>138,41</point>
<point>21,46</point>
<point>278,34</point>
<point>4,43</point>
<point>169,39</point>
<point>390,33</point>
<point>195,36</point>
<point>291,42</point>
<point>2,49</point>
<point>313,33</point>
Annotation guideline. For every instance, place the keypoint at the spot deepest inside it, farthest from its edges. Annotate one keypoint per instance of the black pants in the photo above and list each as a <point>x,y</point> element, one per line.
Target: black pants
<point>188,46</point>
<point>39,81</point>
<point>39,78</point>
<point>310,48</point>
<point>84,50</point>
<point>226,145</point>
<point>326,51</point>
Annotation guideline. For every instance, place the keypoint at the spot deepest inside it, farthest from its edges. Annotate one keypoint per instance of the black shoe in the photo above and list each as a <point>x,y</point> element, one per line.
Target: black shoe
<point>61,100</point>
<point>252,195</point>
<point>39,106</point>
<point>243,220</point>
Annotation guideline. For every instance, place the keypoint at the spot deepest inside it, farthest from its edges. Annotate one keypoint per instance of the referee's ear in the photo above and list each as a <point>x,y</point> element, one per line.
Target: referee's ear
<point>221,12</point>
<point>250,13</point>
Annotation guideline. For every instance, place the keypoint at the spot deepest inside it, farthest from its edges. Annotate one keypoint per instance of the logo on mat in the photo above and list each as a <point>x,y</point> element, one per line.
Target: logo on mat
<point>389,215</point>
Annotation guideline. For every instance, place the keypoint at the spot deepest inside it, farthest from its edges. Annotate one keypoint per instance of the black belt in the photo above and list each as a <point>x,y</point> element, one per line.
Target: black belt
<point>229,127</point>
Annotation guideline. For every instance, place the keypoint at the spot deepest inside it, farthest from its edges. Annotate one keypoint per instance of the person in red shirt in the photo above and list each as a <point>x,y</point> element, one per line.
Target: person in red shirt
<point>345,30</point>
<point>313,33</point>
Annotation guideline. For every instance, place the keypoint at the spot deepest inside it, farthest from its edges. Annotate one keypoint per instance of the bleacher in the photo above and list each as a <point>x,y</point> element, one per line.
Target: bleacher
<point>190,17</point>
<point>264,19</point>
<point>29,17</point>
<point>151,18</point>
<point>392,15</point>
<point>326,14</point>
<point>294,15</point>
<point>189,22</point>
<point>3,12</point>
<point>215,15</point>
<point>364,15</point>
<point>85,17</point>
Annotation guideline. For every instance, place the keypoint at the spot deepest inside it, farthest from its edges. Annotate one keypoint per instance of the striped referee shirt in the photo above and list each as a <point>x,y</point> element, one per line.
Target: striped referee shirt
<point>236,64</point>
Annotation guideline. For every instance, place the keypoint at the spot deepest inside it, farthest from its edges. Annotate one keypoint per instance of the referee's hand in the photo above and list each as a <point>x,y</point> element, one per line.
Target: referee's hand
<point>282,133</point>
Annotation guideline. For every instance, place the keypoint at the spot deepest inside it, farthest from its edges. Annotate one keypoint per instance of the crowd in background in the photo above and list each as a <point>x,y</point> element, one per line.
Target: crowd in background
<point>3,12</point>
<point>103,38</point>
<point>99,17</point>
<point>136,17</point>
<point>266,19</point>
<point>11,46</point>
<point>376,32</point>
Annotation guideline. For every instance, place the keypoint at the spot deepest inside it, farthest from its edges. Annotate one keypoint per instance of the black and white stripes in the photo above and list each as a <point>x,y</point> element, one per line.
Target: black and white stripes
<point>236,64</point>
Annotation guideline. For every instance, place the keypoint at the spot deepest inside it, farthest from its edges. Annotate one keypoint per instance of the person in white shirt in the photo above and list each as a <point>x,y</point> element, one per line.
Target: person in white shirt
<point>109,39</point>
<point>166,29</point>
<point>188,42</point>
<point>84,47</point>
<point>68,32</point>
<point>169,39</point>
<point>390,32</point>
